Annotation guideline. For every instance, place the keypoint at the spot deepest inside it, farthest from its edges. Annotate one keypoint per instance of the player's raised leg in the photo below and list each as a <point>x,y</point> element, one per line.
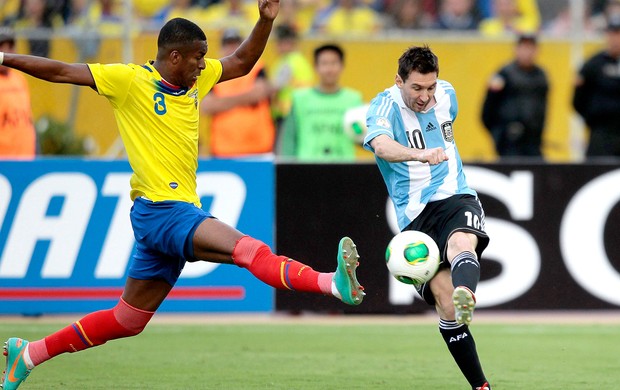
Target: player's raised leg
<point>218,242</point>
<point>285,273</point>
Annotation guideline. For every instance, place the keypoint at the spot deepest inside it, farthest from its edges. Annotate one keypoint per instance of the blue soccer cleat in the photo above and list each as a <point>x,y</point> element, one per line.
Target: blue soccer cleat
<point>16,371</point>
<point>345,280</point>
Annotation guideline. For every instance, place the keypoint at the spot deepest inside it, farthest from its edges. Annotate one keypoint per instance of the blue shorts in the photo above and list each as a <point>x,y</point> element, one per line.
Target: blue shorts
<point>164,234</point>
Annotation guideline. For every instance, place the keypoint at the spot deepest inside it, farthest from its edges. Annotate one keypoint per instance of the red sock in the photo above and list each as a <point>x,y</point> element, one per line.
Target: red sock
<point>279,271</point>
<point>95,329</point>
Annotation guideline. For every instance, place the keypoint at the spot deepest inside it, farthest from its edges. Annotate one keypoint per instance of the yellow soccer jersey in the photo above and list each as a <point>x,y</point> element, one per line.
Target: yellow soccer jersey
<point>159,126</point>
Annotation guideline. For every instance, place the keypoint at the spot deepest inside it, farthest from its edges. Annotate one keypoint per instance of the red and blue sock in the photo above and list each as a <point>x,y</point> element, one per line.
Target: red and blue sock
<point>279,271</point>
<point>94,329</point>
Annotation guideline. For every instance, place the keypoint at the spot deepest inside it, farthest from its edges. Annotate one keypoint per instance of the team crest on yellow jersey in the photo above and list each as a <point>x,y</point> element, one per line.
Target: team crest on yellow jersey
<point>194,94</point>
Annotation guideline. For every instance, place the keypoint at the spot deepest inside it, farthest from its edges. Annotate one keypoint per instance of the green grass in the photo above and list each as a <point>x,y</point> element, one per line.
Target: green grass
<point>330,356</point>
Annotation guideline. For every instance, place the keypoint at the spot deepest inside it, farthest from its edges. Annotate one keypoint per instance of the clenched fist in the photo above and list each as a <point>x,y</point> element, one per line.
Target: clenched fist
<point>432,156</point>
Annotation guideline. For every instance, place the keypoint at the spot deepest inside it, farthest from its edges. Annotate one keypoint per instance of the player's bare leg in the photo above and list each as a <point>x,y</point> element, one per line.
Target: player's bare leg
<point>145,295</point>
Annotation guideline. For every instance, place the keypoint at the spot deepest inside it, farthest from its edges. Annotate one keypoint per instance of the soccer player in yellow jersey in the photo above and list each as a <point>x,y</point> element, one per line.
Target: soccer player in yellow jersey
<point>156,107</point>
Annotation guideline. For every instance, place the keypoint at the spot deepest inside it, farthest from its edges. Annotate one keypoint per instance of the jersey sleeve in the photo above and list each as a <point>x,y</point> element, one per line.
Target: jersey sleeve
<point>454,106</point>
<point>379,120</point>
<point>113,81</point>
<point>451,92</point>
<point>209,77</point>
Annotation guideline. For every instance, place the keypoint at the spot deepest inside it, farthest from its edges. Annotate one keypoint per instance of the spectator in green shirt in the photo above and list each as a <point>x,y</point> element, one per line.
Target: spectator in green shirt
<point>314,129</point>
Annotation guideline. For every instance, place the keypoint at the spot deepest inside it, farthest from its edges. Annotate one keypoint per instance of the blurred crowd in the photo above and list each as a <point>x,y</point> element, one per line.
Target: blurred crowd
<point>333,17</point>
<point>266,112</point>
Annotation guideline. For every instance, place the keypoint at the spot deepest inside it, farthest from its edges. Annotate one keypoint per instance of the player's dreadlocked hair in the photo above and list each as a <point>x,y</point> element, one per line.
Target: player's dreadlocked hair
<point>419,59</point>
<point>179,32</point>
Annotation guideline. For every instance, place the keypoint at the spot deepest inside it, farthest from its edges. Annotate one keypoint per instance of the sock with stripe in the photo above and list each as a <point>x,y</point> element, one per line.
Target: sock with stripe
<point>462,346</point>
<point>94,329</point>
<point>466,270</point>
<point>279,271</point>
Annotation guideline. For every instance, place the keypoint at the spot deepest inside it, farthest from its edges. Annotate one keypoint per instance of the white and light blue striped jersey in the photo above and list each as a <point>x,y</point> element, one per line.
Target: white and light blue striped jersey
<point>411,185</point>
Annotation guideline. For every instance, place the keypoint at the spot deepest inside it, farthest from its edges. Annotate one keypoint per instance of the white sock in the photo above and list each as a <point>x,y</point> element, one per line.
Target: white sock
<point>27,360</point>
<point>335,291</point>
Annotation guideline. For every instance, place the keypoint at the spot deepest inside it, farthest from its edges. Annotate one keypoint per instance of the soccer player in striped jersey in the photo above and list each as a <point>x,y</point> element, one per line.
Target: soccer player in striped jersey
<point>410,131</point>
<point>156,106</point>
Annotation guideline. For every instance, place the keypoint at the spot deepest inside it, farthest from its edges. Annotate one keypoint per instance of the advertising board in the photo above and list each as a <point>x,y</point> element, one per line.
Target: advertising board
<point>66,239</point>
<point>554,234</point>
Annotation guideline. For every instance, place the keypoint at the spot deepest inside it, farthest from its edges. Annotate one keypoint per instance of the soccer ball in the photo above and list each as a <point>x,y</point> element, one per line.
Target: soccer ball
<point>412,257</point>
<point>355,123</point>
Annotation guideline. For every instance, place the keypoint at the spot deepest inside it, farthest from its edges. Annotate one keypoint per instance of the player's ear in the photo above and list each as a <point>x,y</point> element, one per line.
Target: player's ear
<point>175,57</point>
<point>399,81</point>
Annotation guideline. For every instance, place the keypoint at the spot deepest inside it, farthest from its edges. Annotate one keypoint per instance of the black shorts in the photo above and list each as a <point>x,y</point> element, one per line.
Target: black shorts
<point>458,213</point>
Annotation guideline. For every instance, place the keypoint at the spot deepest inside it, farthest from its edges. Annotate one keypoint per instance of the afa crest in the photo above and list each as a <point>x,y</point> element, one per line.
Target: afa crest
<point>446,130</point>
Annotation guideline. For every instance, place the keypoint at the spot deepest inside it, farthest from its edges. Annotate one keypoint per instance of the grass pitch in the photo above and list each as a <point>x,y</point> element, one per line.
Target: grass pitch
<point>344,354</point>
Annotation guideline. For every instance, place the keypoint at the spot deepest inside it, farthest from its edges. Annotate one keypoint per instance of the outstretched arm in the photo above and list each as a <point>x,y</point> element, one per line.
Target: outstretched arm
<point>392,151</point>
<point>243,59</point>
<point>50,70</point>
